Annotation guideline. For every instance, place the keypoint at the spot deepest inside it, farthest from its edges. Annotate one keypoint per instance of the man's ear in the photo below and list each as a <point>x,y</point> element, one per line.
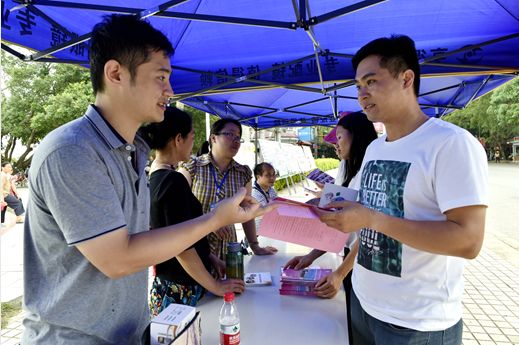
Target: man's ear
<point>408,78</point>
<point>113,72</point>
<point>212,138</point>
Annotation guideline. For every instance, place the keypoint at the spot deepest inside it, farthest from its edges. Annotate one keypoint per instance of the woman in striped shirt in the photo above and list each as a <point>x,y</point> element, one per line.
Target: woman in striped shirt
<point>215,176</point>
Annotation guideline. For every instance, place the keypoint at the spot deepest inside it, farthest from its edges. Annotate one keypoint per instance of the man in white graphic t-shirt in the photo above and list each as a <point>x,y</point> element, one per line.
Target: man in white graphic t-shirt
<point>421,208</point>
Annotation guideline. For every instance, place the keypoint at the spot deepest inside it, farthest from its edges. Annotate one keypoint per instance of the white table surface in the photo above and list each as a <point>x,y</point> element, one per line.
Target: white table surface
<point>266,317</point>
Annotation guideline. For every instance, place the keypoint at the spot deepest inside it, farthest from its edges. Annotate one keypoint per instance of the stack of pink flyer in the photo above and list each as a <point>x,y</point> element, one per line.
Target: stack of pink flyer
<point>301,282</point>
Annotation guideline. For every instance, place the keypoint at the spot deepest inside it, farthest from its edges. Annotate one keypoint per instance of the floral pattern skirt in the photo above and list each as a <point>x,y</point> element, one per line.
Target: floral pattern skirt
<point>164,292</point>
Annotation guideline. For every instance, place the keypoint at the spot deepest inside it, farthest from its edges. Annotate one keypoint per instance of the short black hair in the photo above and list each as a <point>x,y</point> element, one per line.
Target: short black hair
<point>5,163</point>
<point>260,168</point>
<point>397,54</point>
<point>363,133</point>
<point>158,135</point>
<point>218,126</point>
<point>126,39</point>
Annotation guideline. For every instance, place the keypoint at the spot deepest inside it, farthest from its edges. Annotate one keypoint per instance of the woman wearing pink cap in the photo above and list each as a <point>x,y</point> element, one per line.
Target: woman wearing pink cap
<point>353,133</point>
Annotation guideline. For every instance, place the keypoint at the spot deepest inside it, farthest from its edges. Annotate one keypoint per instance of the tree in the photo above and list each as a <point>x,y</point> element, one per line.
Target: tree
<point>38,98</point>
<point>474,117</point>
<point>324,149</point>
<point>198,117</point>
<point>493,117</point>
<point>504,109</point>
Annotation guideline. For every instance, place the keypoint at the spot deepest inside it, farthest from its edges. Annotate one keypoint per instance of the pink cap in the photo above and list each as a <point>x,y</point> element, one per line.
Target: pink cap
<point>331,137</point>
<point>228,296</point>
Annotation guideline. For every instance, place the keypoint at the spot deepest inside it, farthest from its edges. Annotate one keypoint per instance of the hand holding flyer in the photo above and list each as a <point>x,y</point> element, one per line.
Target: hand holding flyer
<point>332,193</point>
<point>296,222</point>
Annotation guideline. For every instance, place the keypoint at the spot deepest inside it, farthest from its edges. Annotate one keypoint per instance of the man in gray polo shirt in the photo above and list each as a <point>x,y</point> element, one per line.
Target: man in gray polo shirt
<point>86,241</point>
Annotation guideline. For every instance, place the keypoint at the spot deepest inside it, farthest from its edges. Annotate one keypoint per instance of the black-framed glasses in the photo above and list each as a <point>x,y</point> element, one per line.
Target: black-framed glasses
<point>232,136</point>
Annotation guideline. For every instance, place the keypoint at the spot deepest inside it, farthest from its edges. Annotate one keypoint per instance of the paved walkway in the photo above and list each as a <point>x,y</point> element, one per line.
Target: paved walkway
<point>491,300</point>
<point>11,272</point>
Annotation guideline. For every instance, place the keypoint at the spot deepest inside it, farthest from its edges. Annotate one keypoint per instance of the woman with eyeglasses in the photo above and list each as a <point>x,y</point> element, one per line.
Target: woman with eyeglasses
<point>215,176</point>
<point>185,278</point>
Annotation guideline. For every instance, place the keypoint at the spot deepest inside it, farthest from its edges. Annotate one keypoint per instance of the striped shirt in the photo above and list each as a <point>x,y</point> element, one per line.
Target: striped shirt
<point>205,180</point>
<point>263,198</point>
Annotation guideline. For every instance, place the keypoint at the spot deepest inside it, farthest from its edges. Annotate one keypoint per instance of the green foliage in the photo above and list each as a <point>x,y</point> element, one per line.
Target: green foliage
<point>493,117</point>
<point>282,183</point>
<point>326,164</point>
<point>473,117</point>
<point>324,149</point>
<point>64,107</point>
<point>199,125</point>
<point>504,111</point>
<point>38,98</point>
<point>323,164</point>
<point>10,309</point>
<point>504,103</point>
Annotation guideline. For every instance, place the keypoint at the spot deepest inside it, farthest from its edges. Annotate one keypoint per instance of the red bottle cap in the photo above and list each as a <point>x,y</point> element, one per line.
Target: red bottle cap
<point>228,297</point>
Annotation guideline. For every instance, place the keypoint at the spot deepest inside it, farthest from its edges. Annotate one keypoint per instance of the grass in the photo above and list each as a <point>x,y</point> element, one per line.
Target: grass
<point>10,309</point>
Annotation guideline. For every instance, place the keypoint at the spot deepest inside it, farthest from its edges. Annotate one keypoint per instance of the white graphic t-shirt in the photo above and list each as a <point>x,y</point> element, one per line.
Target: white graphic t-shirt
<point>436,168</point>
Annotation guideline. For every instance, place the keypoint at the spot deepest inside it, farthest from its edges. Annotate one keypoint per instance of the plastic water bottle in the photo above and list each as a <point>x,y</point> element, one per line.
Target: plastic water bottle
<point>229,321</point>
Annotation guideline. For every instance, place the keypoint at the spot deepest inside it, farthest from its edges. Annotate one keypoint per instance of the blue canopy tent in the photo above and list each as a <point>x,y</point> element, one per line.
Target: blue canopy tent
<point>285,107</point>
<point>293,58</point>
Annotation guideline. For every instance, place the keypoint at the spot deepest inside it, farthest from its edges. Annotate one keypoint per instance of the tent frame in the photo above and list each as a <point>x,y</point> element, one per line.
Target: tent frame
<point>304,20</point>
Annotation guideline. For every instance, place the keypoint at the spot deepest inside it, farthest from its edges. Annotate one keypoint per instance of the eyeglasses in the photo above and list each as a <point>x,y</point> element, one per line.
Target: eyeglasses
<point>232,137</point>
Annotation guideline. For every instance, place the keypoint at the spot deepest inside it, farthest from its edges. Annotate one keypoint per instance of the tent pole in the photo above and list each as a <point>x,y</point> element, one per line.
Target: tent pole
<point>207,126</point>
<point>318,63</point>
<point>453,99</point>
<point>256,143</point>
<point>479,88</point>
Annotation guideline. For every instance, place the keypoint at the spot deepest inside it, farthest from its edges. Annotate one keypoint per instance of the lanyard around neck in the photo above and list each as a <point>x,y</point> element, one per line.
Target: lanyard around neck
<point>219,185</point>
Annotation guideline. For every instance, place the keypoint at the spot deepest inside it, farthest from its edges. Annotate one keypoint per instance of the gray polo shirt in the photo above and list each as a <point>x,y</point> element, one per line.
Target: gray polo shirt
<point>83,184</point>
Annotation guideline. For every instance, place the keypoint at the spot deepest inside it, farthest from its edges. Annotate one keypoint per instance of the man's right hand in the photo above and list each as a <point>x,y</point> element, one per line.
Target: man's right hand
<point>299,262</point>
<point>239,208</point>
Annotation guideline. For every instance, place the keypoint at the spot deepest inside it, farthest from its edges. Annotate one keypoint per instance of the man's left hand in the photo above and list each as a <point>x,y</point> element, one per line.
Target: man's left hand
<point>348,216</point>
<point>328,286</point>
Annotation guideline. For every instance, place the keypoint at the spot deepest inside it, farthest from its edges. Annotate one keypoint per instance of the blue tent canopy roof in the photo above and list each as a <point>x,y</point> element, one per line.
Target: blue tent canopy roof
<point>282,107</point>
<point>293,61</point>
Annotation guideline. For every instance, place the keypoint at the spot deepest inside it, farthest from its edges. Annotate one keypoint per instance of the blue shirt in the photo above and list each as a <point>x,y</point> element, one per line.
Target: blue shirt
<point>83,184</point>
